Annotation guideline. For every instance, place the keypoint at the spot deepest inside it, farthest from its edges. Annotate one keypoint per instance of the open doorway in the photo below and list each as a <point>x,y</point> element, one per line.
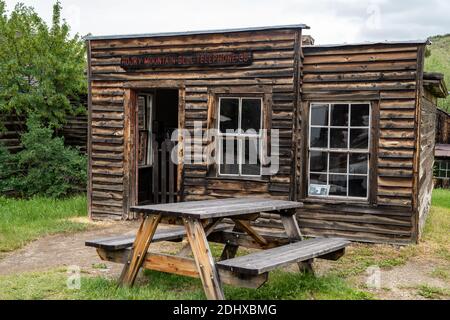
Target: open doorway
<point>157,118</point>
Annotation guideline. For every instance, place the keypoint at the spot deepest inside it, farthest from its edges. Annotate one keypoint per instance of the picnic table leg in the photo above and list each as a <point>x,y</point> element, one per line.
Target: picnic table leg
<point>230,250</point>
<point>293,232</point>
<point>203,259</point>
<point>208,227</point>
<point>139,250</point>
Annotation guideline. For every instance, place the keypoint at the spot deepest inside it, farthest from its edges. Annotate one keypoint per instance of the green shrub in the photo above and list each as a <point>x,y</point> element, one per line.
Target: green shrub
<point>45,166</point>
<point>6,168</point>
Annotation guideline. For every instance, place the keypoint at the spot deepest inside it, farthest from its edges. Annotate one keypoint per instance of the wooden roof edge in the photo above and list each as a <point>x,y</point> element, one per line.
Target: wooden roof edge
<point>367,43</point>
<point>443,111</point>
<point>442,150</point>
<point>435,83</point>
<point>196,32</point>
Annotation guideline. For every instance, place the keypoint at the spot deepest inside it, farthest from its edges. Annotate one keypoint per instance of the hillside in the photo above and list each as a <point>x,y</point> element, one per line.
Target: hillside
<point>439,61</point>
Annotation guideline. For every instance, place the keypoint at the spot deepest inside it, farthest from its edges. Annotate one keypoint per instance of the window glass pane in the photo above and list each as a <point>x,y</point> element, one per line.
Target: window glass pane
<point>357,186</point>
<point>338,185</point>
<point>141,113</point>
<point>338,162</point>
<point>318,185</point>
<point>229,156</point>
<point>318,178</point>
<point>250,161</point>
<point>318,161</point>
<point>359,138</point>
<point>319,138</point>
<point>251,115</point>
<point>436,170</point>
<point>360,115</point>
<point>229,114</point>
<point>358,163</point>
<point>319,114</point>
<point>338,138</point>
<point>339,115</point>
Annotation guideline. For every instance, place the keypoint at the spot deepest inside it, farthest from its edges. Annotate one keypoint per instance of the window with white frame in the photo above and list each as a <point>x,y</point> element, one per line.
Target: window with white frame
<point>239,136</point>
<point>442,169</point>
<point>145,109</point>
<point>339,140</point>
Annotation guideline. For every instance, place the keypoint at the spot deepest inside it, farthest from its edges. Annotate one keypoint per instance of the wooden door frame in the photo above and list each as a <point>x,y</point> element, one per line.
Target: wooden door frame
<point>131,89</point>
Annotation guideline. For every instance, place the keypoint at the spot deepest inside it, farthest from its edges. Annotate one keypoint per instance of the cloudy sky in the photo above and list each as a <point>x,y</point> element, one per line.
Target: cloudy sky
<point>331,21</point>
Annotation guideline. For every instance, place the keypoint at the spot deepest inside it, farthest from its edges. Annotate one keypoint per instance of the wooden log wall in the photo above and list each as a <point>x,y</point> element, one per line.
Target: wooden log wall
<point>13,127</point>
<point>388,77</point>
<point>442,127</point>
<point>427,140</point>
<point>74,132</point>
<point>274,65</point>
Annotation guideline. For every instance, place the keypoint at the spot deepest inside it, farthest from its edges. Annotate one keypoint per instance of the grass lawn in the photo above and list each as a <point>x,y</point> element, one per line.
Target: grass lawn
<point>439,61</point>
<point>161,286</point>
<point>336,282</point>
<point>22,221</point>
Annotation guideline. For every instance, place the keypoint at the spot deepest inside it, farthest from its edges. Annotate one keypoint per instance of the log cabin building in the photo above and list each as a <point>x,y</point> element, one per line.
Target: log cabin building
<point>442,127</point>
<point>442,150</point>
<point>354,127</point>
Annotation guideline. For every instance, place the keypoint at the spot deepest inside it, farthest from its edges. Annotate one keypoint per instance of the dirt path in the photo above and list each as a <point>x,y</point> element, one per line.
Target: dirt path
<point>56,251</point>
<point>67,250</point>
<point>408,281</point>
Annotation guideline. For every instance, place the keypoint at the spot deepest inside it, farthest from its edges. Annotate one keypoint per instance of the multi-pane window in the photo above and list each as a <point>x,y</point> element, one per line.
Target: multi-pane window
<point>339,139</point>
<point>145,129</point>
<point>442,169</point>
<point>239,136</point>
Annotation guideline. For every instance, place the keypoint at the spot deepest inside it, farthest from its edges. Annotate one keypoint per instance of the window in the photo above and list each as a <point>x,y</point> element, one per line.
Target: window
<point>145,154</point>
<point>239,136</point>
<point>442,169</point>
<point>339,135</point>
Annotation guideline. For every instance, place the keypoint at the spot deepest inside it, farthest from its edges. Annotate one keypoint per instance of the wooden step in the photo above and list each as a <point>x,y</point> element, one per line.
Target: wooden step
<point>267,260</point>
<point>120,242</point>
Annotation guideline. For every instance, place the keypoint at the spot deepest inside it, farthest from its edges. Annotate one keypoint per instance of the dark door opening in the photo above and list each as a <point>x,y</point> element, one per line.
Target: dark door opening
<point>157,119</point>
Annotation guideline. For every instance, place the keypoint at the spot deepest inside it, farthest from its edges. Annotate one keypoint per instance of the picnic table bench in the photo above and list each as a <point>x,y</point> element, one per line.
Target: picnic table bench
<point>203,222</point>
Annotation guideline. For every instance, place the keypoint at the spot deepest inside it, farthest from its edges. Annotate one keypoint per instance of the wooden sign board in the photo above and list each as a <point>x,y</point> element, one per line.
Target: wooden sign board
<point>187,59</point>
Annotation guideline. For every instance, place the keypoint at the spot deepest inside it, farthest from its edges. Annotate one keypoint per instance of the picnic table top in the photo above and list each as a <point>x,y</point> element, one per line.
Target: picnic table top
<point>217,208</point>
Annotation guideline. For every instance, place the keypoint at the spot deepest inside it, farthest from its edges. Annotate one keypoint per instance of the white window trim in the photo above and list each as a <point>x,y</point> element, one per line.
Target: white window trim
<point>328,150</point>
<point>239,136</point>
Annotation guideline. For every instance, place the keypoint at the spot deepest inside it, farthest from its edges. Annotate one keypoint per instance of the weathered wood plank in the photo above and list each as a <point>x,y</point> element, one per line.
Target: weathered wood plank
<point>267,260</point>
<point>219,208</point>
<point>203,259</point>
<point>140,246</point>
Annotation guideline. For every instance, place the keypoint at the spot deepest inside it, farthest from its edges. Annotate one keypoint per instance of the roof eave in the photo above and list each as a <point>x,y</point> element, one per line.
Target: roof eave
<point>435,83</point>
<point>371,43</point>
<point>198,32</point>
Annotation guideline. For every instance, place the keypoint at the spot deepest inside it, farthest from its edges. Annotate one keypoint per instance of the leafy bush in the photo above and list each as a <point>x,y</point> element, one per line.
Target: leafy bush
<point>44,167</point>
<point>42,66</point>
<point>6,168</point>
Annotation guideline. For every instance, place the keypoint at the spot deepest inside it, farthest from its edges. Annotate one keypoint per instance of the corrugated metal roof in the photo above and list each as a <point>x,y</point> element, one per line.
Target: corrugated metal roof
<point>187,33</point>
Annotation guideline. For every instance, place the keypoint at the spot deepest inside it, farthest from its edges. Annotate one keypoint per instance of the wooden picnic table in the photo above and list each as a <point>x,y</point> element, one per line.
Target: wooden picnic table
<point>201,220</point>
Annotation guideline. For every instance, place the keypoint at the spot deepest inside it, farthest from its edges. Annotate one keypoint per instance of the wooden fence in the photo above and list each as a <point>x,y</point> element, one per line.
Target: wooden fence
<point>74,131</point>
<point>163,173</point>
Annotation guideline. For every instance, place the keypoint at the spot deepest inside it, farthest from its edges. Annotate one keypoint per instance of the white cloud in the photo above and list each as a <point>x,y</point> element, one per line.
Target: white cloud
<point>330,21</point>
